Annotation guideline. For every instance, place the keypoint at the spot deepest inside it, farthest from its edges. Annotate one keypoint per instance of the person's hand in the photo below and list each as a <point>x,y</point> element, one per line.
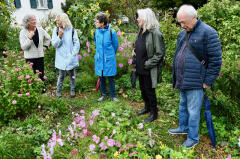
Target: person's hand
<point>31,34</point>
<point>206,86</point>
<point>133,53</point>
<point>60,32</point>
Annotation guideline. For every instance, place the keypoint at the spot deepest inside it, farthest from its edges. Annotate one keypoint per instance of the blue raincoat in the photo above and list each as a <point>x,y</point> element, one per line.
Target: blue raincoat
<point>67,49</point>
<point>106,48</point>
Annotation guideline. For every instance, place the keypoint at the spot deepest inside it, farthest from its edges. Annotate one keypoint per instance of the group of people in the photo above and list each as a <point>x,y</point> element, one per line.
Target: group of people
<point>196,63</point>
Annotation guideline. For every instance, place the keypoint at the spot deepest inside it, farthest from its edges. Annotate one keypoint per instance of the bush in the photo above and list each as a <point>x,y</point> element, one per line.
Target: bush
<point>224,16</point>
<point>19,87</point>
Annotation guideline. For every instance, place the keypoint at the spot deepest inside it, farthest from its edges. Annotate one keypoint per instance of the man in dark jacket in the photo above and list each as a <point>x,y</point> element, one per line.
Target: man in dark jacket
<point>190,75</point>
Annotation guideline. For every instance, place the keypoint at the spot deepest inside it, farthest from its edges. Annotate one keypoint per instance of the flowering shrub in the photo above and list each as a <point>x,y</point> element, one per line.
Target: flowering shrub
<point>19,87</point>
<point>83,17</point>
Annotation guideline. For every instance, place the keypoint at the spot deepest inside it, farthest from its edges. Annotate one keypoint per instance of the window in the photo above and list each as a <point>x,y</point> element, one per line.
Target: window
<point>42,4</point>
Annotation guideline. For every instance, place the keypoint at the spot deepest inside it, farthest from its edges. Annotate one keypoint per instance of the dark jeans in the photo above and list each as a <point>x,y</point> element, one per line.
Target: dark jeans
<point>148,93</point>
<point>111,86</point>
<point>38,64</point>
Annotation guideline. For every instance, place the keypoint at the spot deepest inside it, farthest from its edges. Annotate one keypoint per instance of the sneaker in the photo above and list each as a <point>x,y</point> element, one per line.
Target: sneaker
<point>115,99</point>
<point>58,94</point>
<point>177,131</point>
<point>102,98</point>
<point>189,144</point>
<point>72,93</point>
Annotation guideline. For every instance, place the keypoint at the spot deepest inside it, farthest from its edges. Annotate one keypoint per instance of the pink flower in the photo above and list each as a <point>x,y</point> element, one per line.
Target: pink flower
<point>120,65</point>
<point>124,44</point>
<point>113,115</point>
<point>123,54</point>
<point>133,153</point>
<point>149,132</point>
<point>17,69</point>
<point>21,89</point>
<point>121,49</point>
<point>129,61</point>
<point>84,54</point>
<point>82,111</point>
<point>13,64</point>
<point>29,81</point>
<point>229,156</point>
<point>74,153</point>
<point>14,102</point>
<point>0,81</point>
<point>73,77</point>
<point>43,152</point>
<point>105,137</point>
<point>21,52</point>
<point>19,95</point>
<point>140,126</point>
<point>44,77</point>
<point>95,113</point>
<point>111,142</point>
<point>151,142</point>
<point>90,122</point>
<point>79,57</point>
<point>96,139</point>
<point>27,77</point>
<point>91,147</point>
<point>71,131</point>
<point>119,33</point>
<point>17,60</point>
<point>114,131</point>
<point>103,146</point>
<point>87,44</point>
<point>118,144</point>
<point>27,94</point>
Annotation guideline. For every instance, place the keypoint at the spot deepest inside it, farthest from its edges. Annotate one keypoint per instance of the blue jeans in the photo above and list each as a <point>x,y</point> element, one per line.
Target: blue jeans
<point>111,86</point>
<point>189,112</point>
<point>62,75</point>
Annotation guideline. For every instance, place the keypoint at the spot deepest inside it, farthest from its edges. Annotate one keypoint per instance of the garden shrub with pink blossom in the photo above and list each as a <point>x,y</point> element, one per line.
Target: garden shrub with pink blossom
<point>109,132</point>
<point>19,87</point>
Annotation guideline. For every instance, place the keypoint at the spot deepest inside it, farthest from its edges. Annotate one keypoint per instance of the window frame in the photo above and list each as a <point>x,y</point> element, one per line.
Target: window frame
<point>45,2</point>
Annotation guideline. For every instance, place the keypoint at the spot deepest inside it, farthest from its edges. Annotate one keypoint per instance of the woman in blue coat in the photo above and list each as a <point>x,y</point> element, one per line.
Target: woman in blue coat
<point>66,41</point>
<point>106,42</point>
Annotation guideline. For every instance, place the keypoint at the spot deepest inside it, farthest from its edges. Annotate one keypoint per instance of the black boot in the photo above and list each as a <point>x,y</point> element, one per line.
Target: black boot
<point>151,117</point>
<point>143,111</point>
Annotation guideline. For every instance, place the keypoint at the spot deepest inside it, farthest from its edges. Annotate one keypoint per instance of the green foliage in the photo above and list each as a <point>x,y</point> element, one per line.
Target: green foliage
<point>170,33</point>
<point>20,88</point>
<point>224,17</point>
<point>83,17</point>
<point>5,21</point>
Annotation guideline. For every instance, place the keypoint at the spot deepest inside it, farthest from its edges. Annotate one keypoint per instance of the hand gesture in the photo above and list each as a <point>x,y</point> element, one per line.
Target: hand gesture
<point>60,33</point>
<point>133,53</point>
<point>31,34</point>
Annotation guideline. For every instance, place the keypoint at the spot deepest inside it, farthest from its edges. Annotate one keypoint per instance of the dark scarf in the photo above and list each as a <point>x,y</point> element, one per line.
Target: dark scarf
<point>35,38</point>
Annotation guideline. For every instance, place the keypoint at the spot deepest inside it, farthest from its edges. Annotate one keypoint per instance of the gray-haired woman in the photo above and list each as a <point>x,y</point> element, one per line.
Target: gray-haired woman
<point>149,51</point>
<point>31,40</point>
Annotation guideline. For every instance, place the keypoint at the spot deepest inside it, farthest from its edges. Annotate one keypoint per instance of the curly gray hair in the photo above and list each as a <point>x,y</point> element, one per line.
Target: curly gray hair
<point>26,19</point>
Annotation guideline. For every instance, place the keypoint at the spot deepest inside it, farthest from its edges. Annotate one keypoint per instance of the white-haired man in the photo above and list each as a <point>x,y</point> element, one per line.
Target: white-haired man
<point>196,65</point>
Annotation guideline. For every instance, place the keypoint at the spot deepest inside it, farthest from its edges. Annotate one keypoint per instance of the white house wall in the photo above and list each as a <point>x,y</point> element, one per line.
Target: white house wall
<point>39,13</point>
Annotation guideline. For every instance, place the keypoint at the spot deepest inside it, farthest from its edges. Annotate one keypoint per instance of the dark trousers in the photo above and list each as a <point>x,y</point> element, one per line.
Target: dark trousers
<point>148,93</point>
<point>111,86</point>
<point>38,64</point>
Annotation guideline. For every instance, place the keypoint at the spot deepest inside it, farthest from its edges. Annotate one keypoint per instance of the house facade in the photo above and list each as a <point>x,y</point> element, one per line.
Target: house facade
<point>39,8</point>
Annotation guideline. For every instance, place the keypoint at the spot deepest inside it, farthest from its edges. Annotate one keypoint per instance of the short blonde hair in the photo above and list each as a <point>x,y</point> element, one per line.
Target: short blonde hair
<point>149,19</point>
<point>66,23</point>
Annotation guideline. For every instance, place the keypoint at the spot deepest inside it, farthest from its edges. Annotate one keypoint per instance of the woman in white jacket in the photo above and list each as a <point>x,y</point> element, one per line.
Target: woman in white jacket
<point>31,41</point>
<point>66,41</point>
